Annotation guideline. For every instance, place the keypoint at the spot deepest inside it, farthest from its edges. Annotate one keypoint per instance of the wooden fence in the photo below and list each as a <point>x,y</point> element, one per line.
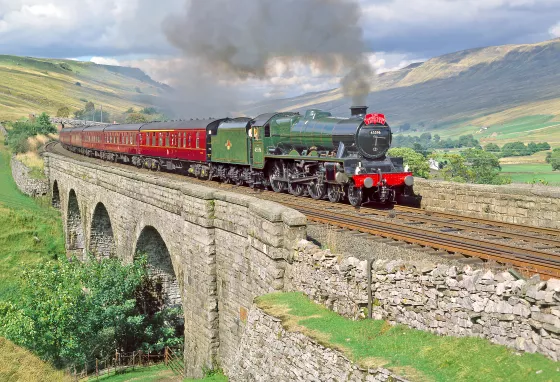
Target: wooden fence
<point>120,362</point>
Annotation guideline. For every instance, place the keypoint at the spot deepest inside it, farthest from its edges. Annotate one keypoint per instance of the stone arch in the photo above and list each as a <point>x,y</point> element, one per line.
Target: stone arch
<point>160,267</point>
<point>55,200</point>
<point>75,243</point>
<point>102,240</point>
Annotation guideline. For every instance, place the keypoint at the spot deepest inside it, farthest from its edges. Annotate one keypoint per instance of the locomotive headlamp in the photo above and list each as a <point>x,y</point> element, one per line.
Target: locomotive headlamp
<point>409,180</point>
<point>368,182</point>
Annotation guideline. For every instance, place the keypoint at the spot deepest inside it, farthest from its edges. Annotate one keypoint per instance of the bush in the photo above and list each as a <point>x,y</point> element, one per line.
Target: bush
<point>73,311</point>
<point>65,66</point>
<point>136,118</point>
<point>63,112</point>
<point>21,130</point>
<point>78,84</point>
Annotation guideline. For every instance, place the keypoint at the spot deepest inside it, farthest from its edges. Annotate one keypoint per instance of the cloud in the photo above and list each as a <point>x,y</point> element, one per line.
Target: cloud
<point>555,30</point>
<point>105,61</point>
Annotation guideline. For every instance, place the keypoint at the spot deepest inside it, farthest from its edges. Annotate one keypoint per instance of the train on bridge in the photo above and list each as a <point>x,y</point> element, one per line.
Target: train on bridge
<point>313,154</point>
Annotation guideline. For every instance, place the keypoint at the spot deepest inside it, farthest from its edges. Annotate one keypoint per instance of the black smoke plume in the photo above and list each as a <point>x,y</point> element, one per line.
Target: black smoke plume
<point>236,40</point>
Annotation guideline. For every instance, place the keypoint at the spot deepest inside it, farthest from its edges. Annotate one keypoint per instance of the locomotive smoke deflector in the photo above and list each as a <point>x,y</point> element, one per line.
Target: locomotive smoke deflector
<point>358,111</point>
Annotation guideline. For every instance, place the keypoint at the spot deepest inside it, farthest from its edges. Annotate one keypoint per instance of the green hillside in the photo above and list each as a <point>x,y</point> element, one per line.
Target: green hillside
<point>32,85</point>
<point>513,89</point>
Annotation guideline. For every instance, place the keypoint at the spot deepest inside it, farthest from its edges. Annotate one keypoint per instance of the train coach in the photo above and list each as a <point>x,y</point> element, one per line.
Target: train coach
<point>313,154</point>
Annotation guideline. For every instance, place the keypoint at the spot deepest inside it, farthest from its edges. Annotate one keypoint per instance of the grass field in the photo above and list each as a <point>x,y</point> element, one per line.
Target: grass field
<point>531,172</point>
<point>154,374</point>
<point>413,354</point>
<point>17,364</point>
<point>30,230</point>
<point>32,85</point>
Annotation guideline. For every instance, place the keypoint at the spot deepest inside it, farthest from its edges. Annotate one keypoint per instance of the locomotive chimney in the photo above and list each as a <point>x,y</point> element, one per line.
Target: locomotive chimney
<point>358,110</point>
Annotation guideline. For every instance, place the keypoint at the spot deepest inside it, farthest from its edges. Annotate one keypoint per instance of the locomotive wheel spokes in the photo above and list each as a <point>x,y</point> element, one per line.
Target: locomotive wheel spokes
<point>277,185</point>
<point>334,193</point>
<point>317,191</point>
<point>296,189</point>
<point>355,196</point>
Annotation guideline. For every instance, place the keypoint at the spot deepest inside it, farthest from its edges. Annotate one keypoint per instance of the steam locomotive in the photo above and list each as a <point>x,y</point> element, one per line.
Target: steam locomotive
<point>314,154</point>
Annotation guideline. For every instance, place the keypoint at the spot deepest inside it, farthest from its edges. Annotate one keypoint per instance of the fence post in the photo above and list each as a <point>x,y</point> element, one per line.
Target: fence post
<point>85,367</point>
<point>165,356</point>
<point>96,368</point>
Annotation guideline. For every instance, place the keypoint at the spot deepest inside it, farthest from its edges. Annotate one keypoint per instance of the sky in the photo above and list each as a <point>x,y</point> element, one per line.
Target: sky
<point>395,32</point>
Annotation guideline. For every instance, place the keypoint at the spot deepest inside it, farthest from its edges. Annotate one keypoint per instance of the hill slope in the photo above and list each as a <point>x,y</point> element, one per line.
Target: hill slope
<point>31,85</point>
<point>17,364</point>
<point>477,87</point>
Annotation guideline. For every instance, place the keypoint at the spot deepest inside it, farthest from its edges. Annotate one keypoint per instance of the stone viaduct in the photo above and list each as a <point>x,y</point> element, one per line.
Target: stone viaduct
<point>213,251</point>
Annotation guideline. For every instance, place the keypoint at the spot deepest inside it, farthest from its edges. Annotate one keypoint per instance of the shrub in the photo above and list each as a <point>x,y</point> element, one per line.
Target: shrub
<point>65,66</point>
<point>63,112</point>
<point>72,311</point>
<point>78,84</point>
<point>136,118</point>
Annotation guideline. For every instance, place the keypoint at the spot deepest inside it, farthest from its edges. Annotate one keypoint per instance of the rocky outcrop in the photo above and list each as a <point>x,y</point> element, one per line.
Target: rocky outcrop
<point>25,183</point>
<point>3,130</point>
<point>268,352</point>
<point>443,299</point>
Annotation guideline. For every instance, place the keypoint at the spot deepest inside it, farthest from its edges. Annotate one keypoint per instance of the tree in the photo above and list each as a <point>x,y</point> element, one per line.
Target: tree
<point>72,311</point>
<point>492,148</point>
<point>416,162</point>
<point>437,138</point>
<point>89,108</point>
<point>514,149</point>
<point>554,159</point>
<point>474,166</point>
<point>543,146</point>
<point>426,137</point>
<point>44,124</point>
<point>63,112</point>
<point>532,148</point>
<point>136,118</point>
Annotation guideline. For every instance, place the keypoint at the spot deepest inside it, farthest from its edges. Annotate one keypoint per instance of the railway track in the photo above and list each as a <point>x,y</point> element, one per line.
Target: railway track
<point>530,249</point>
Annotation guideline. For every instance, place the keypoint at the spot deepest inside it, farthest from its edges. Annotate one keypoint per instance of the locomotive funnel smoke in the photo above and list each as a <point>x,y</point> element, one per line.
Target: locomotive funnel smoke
<point>241,39</point>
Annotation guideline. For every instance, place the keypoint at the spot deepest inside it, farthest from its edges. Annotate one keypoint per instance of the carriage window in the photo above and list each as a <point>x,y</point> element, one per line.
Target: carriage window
<point>197,140</point>
<point>190,140</point>
<point>153,139</point>
<point>184,139</point>
<point>160,139</point>
<point>167,139</point>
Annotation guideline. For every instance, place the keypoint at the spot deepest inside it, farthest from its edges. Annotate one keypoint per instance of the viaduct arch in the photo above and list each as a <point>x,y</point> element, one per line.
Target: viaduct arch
<point>210,251</point>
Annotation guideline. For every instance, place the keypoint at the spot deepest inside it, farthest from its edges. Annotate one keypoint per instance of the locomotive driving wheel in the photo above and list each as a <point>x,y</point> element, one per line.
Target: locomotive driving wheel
<point>317,190</point>
<point>296,189</point>
<point>334,193</point>
<point>355,195</point>
<point>277,173</point>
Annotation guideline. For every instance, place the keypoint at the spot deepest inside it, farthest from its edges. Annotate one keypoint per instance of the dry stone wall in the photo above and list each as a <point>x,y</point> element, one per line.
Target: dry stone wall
<point>442,299</point>
<point>534,205</point>
<point>25,183</point>
<point>270,353</point>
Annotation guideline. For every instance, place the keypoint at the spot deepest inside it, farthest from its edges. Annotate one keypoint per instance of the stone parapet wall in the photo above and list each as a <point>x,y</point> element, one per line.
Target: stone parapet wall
<point>533,205</point>
<point>268,352</point>
<point>25,183</point>
<point>442,299</point>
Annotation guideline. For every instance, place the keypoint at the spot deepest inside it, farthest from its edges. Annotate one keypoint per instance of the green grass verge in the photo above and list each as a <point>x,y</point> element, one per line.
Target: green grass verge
<point>531,172</point>
<point>413,354</point>
<point>153,374</point>
<point>30,230</point>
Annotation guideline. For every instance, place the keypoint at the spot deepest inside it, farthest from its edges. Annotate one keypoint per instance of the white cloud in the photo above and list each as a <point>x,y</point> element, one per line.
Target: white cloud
<point>555,30</point>
<point>105,61</point>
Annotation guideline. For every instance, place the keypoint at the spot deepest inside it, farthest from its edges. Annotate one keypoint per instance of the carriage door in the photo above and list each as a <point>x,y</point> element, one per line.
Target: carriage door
<point>257,153</point>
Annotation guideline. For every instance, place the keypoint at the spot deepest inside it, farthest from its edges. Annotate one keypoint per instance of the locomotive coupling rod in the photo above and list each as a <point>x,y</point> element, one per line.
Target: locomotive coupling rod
<point>301,180</point>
